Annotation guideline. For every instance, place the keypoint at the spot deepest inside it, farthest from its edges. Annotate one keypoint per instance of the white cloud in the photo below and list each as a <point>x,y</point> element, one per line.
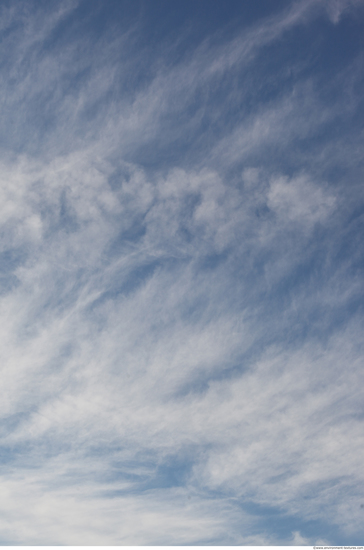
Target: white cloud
<point>336,8</point>
<point>83,516</point>
<point>299,201</point>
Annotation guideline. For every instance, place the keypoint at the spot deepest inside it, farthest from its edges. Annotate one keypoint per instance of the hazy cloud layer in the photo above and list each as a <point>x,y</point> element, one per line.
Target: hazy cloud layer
<point>181,275</point>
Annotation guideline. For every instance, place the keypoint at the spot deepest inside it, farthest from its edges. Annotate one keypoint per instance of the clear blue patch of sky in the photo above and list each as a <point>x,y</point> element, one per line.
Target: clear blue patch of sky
<point>280,524</point>
<point>11,258</point>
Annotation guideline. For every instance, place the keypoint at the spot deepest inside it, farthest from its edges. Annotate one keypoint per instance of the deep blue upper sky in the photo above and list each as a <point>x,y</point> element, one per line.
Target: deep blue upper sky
<point>181,272</point>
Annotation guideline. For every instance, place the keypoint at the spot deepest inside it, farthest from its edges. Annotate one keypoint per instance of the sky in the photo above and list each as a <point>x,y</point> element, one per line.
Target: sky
<point>181,274</point>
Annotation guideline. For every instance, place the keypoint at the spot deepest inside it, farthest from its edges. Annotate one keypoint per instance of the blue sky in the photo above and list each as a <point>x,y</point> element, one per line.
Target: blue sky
<point>181,285</point>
